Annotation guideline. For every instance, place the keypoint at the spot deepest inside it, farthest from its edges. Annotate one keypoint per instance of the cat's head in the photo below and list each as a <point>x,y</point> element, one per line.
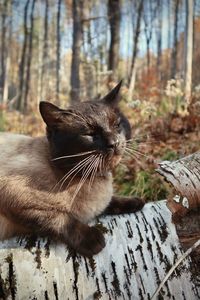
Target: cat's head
<point>87,134</point>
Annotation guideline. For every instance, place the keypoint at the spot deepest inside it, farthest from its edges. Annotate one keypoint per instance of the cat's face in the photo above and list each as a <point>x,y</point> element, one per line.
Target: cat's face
<point>89,133</point>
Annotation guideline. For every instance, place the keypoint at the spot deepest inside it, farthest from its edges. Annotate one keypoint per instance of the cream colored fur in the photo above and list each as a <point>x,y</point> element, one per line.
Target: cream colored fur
<point>27,183</point>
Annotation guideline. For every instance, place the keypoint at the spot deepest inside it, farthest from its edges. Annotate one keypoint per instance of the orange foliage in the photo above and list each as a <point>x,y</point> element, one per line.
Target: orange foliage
<point>148,84</point>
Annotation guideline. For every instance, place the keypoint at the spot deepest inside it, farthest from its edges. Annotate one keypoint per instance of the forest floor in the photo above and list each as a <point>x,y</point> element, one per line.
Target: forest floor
<point>167,136</point>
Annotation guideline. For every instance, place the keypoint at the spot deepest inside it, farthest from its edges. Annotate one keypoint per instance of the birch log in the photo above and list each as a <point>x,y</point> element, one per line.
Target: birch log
<point>140,250</point>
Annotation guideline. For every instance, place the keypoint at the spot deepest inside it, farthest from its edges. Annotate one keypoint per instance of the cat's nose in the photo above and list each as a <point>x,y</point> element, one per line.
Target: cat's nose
<point>112,143</point>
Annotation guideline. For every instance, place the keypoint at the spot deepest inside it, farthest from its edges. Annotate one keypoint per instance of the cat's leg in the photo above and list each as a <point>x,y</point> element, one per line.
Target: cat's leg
<point>44,213</point>
<point>122,205</point>
<point>9,229</point>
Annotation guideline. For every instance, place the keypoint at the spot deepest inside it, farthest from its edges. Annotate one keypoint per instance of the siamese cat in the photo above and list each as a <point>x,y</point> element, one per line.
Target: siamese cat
<point>53,185</point>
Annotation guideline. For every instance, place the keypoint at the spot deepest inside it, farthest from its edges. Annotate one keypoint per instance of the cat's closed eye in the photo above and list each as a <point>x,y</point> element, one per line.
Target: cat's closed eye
<point>88,137</point>
<point>92,136</point>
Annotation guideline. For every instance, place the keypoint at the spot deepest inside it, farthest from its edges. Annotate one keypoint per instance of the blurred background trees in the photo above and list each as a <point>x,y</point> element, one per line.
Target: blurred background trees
<point>73,50</point>
<point>66,51</point>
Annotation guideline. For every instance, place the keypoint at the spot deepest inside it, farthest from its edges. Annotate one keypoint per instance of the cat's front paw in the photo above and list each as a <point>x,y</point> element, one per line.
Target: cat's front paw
<point>91,243</point>
<point>133,204</point>
<point>124,205</point>
<point>82,238</point>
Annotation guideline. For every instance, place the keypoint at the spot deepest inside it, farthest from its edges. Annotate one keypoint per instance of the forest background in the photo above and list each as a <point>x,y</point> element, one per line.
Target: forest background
<point>67,51</point>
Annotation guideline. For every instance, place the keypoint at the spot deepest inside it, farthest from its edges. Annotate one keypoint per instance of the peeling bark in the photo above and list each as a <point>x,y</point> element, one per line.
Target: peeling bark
<point>140,250</point>
<point>184,176</point>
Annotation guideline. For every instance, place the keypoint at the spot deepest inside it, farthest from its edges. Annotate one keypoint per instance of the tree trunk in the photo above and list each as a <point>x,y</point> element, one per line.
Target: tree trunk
<point>148,16</point>
<point>168,72</point>
<point>114,14</point>
<point>76,50</point>
<point>169,23</point>
<point>140,250</point>
<point>174,47</point>
<point>40,56</point>
<point>148,55</point>
<point>3,49</point>
<point>8,54</point>
<point>135,50</point>
<point>159,40</point>
<point>29,59</point>
<point>189,49</point>
<point>45,48</point>
<point>6,80</point>
<point>23,59</point>
<point>58,53</point>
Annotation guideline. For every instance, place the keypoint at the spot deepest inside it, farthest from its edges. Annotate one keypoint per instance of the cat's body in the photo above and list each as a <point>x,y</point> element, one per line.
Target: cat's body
<point>21,169</point>
<point>46,190</point>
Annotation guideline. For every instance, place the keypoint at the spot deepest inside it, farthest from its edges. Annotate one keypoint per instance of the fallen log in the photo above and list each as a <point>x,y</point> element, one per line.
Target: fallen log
<point>140,251</point>
<point>141,248</point>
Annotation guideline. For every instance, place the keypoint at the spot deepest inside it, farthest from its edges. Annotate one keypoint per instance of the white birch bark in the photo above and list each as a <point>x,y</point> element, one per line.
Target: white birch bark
<point>132,82</point>
<point>140,250</point>
<point>184,176</point>
<point>6,80</point>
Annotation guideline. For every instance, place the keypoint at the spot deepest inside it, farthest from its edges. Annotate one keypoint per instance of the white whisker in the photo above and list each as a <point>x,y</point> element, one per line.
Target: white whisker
<point>74,155</point>
<point>101,165</point>
<point>83,179</point>
<point>74,169</point>
<point>84,166</point>
<point>78,168</point>
<point>134,153</point>
<point>131,150</point>
<point>94,171</point>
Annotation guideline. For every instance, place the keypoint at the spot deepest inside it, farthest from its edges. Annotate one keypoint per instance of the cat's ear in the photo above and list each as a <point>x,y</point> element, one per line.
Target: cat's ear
<point>50,113</point>
<point>112,98</point>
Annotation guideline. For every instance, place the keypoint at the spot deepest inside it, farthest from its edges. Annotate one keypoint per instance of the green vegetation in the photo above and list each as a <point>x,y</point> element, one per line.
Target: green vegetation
<point>170,155</point>
<point>2,121</point>
<point>146,184</point>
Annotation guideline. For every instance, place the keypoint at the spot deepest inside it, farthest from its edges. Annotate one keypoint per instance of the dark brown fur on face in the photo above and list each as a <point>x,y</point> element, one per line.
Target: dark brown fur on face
<point>55,185</point>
